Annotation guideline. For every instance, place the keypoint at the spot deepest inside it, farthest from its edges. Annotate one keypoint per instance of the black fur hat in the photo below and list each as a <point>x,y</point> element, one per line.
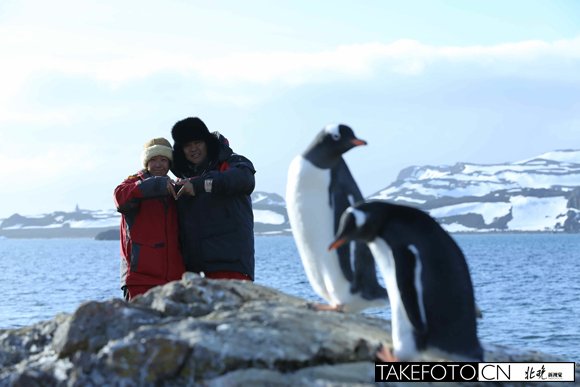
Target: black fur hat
<point>190,129</point>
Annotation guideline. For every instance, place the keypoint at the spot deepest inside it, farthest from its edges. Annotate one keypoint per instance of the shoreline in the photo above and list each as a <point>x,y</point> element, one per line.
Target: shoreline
<point>93,233</point>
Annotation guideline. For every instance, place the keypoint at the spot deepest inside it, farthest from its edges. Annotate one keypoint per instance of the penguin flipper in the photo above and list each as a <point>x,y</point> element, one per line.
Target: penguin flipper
<point>406,262</point>
<point>365,279</point>
<point>356,260</point>
<point>342,193</point>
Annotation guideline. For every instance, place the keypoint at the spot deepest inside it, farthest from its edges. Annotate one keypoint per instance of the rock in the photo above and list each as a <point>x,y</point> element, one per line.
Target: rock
<point>109,235</point>
<point>94,324</point>
<point>572,222</point>
<point>198,332</point>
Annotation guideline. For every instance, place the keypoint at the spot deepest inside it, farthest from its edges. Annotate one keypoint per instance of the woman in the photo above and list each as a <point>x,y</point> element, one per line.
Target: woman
<point>150,254</point>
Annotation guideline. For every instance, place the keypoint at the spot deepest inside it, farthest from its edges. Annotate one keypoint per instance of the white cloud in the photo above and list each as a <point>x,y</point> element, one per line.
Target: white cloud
<point>404,57</point>
<point>28,52</point>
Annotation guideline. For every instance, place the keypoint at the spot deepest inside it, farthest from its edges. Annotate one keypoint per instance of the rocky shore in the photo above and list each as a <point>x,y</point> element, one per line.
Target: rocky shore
<point>199,332</point>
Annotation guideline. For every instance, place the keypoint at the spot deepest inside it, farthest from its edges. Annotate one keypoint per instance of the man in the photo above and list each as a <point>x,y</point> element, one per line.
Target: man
<point>149,236</point>
<point>215,209</point>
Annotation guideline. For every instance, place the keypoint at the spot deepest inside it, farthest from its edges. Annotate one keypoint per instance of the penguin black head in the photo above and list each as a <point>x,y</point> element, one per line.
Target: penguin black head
<point>330,144</point>
<point>365,220</point>
<point>359,222</point>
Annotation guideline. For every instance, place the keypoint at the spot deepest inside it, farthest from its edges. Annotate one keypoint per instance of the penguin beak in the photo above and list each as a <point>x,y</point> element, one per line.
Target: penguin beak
<point>357,142</point>
<point>337,243</point>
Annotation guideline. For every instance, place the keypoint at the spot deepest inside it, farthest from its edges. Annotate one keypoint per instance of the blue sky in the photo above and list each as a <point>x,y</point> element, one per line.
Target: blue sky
<point>85,84</point>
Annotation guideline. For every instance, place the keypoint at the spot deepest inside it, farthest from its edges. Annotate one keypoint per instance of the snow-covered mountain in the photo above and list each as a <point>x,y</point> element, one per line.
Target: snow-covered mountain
<point>541,194</point>
<point>79,223</point>
<point>537,194</point>
<point>269,219</point>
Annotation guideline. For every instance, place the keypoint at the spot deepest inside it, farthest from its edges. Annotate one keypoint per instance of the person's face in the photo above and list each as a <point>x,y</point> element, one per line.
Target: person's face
<point>158,166</point>
<point>195,151</point>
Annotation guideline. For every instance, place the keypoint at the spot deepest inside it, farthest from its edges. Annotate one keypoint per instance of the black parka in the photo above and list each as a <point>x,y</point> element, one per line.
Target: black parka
<point>217,227</point>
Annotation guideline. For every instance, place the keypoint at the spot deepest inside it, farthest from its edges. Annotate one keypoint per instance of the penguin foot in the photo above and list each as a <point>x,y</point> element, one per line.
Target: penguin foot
<point>386,355</point>
<point>325,307</point>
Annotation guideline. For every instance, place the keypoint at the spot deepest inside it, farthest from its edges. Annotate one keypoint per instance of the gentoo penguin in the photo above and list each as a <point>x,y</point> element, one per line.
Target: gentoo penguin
<point>427,278</point>
<point>319,188</point>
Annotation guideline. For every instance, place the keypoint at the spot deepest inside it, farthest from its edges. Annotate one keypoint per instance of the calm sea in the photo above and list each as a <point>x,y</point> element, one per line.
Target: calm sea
<point>527,285</point>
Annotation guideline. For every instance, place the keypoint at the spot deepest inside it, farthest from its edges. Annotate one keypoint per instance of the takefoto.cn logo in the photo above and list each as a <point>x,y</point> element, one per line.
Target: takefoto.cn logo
<point>473,371</point>
<point>426,372</point>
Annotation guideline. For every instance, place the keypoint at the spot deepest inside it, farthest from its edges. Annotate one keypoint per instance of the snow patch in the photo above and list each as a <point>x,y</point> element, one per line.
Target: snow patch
<point>95,223</point>
<point>536,214</point>
<point>489,211</point>
<point>267,216</point>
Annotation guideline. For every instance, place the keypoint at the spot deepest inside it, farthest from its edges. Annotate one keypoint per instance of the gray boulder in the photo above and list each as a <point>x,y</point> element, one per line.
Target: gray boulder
<point>199,332</point>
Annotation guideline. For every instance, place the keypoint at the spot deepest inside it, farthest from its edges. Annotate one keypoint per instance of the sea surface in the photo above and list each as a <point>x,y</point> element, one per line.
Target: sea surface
<point>527,285</point>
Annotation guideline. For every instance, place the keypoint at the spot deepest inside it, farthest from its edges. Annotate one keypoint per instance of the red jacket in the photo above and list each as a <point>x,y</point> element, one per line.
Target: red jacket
<point>150,252</point>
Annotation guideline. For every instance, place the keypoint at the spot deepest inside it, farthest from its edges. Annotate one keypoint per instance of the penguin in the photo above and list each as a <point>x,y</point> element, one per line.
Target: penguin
<point>431,296</point>
<point>319,188</point>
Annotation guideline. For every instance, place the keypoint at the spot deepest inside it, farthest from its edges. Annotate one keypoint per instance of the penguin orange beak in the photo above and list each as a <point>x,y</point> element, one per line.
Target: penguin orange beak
<point>357,142</point>
<point>337,243</point>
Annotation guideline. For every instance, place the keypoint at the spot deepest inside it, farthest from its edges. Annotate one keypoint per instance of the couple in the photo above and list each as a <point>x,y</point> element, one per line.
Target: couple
<point>201,223</point>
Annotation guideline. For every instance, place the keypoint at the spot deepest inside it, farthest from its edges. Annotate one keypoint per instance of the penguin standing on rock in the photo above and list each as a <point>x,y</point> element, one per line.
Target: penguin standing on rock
<point>319,188</point>
<point>430,290</point>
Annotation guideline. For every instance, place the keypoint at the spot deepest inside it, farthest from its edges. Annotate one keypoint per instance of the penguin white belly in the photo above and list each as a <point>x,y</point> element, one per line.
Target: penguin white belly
<point>312,222</point>
<point>404,346</point>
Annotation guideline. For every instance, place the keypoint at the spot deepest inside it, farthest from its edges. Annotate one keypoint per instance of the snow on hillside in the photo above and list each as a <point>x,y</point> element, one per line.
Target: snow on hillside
<point>562,156</point>
<point>269,218</point>
<point>537,214</point>
<point>89,223</point>
<point>536,194</point>
<point>269,199</point>
<point>489,211</point>
<point>420,184</point>
<point>78,219</point>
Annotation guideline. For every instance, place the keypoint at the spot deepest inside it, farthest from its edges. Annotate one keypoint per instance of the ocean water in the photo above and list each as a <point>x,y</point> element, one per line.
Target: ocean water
<point>527,285</point>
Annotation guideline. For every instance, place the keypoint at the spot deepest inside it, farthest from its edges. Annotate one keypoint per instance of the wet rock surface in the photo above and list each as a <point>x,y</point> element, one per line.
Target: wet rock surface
<point>199,332</point>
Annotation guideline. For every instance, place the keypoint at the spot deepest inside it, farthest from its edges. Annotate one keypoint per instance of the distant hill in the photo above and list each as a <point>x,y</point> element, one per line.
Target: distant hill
<point>269,219</point>
<point>541,194</point>
<point>60,224</point>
